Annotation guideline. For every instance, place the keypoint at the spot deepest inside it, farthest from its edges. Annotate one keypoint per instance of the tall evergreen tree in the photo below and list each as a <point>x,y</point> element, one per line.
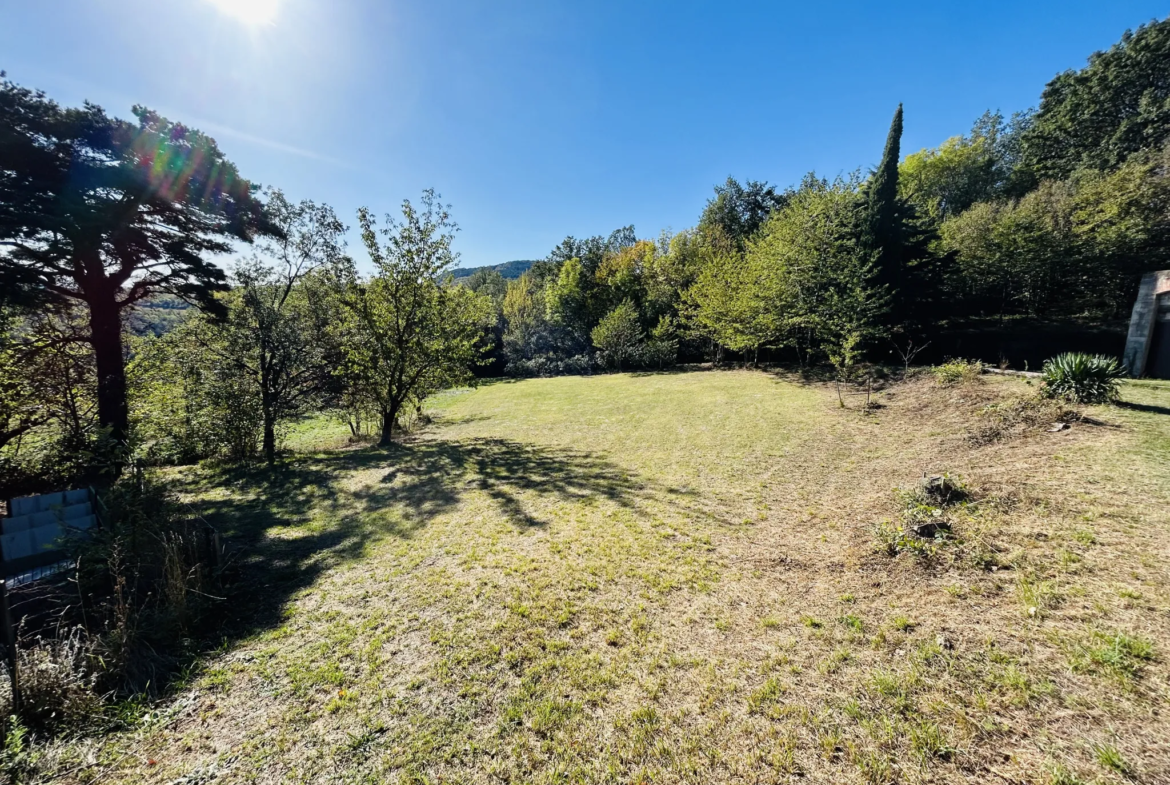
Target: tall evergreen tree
<point>881,225</point>
<point>899,242</point>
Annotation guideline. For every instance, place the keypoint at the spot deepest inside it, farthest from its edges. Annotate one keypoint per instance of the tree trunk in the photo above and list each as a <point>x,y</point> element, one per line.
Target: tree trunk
<point>269,437</point>
<point>388,418</point>
<point>105,325</point>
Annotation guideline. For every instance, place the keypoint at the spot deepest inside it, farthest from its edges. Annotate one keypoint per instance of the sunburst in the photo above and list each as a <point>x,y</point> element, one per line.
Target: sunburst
<point>251,12</point>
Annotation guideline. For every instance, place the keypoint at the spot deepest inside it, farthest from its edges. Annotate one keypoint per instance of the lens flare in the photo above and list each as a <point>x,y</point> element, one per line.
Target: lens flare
<point>250,12</point>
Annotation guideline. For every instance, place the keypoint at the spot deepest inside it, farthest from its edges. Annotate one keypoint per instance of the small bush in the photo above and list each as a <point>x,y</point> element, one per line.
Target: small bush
<point>1082,378</point>
<point>58,681</point>
<point>618,337</point>
<point>551,365</point>
<point>659,353</point>
<point>955,372</point>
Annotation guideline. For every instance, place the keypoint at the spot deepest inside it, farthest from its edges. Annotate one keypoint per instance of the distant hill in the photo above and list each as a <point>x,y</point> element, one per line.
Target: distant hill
<point>156,315</point>
<point>508,269</point>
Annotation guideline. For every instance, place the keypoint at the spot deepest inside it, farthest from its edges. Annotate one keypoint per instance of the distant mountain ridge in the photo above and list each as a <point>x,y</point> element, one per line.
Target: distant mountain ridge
<point>513,269</point>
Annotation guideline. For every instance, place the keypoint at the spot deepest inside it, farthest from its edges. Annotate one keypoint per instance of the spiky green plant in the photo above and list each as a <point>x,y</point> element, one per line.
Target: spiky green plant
<point>1083,378</point>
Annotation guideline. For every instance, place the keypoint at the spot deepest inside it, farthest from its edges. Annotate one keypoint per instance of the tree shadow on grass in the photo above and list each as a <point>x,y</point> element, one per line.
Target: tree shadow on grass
<point>285,527</point>
<point>1148,408</point>
<point>430,477</point>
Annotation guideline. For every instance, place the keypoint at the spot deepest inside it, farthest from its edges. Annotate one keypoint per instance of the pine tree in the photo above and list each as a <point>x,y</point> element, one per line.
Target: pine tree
<point>106,213</point>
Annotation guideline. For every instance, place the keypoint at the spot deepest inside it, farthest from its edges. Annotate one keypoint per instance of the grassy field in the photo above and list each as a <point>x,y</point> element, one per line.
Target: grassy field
<point>679,578</point>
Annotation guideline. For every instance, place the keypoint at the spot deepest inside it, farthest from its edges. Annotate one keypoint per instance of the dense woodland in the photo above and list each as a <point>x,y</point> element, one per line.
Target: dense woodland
<point>123,340</point>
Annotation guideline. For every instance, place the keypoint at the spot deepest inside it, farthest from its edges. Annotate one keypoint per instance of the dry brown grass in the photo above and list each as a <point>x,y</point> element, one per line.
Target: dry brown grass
<point>676,578</point>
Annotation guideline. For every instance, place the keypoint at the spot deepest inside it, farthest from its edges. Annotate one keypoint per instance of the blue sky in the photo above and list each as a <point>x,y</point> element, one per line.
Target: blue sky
<point>545,118</point>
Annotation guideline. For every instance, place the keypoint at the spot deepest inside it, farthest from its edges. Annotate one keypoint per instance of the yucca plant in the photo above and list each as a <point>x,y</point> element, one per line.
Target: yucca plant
<point>1083,378</point>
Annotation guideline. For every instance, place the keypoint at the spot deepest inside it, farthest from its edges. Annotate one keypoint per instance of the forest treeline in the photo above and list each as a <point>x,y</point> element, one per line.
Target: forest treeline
<point>1052,213</point>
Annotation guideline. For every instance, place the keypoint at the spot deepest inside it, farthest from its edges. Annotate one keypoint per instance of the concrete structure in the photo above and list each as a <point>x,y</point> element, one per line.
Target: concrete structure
<point>31,537</point>
<point>1147,350</point>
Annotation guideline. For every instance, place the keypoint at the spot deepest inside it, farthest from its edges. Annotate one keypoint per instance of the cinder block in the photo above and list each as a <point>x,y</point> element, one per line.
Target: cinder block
<point>79,496</point>
<point>21,523</point>
<point>17,546</point>
<point>44,538</point>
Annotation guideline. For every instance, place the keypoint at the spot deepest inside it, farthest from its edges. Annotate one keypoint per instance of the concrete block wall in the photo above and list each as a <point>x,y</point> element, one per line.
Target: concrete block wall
<point>39,522</point>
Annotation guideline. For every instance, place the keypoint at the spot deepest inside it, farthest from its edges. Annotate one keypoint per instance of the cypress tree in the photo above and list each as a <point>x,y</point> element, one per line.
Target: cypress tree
<point>882,219</point>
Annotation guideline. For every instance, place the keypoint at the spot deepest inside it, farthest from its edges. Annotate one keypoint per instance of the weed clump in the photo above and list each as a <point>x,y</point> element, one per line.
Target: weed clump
<point>58,682</point>
<point>956,372</point>
<point>1119,654</point>
<point>139,590</point>
<point>1004,420</point>
<point>925,521</point>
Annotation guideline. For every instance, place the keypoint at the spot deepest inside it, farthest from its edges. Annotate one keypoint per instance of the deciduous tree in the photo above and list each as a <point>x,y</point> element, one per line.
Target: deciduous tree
<point>408,335</point>
<point>277,330</point>
<point>1098,116</point>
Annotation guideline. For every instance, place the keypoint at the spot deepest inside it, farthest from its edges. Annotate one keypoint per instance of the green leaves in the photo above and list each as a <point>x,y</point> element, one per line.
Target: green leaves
<point>407,334</point>
<point>1097,117</point>
<point>1082,378</point>
<point>618,336</point>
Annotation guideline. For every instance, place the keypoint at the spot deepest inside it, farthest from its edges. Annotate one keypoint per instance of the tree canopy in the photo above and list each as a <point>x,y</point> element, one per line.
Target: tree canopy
<point>105,212</point>
<point>1098,116</point>
<point>408,334</point>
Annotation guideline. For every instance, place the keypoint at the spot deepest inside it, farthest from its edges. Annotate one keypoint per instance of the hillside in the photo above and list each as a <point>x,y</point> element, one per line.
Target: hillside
<point>513,269</point>
<point>688,578</point>
<point>156,315</point>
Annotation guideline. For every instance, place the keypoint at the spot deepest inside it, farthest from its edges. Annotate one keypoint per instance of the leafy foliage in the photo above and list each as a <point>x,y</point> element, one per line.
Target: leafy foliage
<point>824,284</point>
<point>1083,378</point>
<point>103,212</point>
<point>1097,117</point>
<point>277,333</point>
<point>957,371</point>
<point>1021,256</point>
<point>618,337</point>
<point>738,211</point>
<point>406,334</point>
<point>188,402</point>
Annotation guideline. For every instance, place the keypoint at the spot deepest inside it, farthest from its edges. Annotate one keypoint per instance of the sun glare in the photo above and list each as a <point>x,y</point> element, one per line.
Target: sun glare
<point>250,12</point>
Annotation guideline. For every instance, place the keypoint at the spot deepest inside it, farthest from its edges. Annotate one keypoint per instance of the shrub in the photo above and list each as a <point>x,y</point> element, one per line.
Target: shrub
<point>659,353</point>
<point>661,348</point>
<point>550,365</point>
<point>1082,378</point>
<point>618,336</point>
<point>955,372</point>
<point>57,682</point>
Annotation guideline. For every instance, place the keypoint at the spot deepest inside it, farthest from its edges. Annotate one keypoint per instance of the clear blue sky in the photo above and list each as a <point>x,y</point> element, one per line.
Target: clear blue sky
<point>537,119</point>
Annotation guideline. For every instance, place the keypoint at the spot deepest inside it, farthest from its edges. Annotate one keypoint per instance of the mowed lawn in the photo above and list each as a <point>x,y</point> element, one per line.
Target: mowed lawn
<point>676,578</point>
